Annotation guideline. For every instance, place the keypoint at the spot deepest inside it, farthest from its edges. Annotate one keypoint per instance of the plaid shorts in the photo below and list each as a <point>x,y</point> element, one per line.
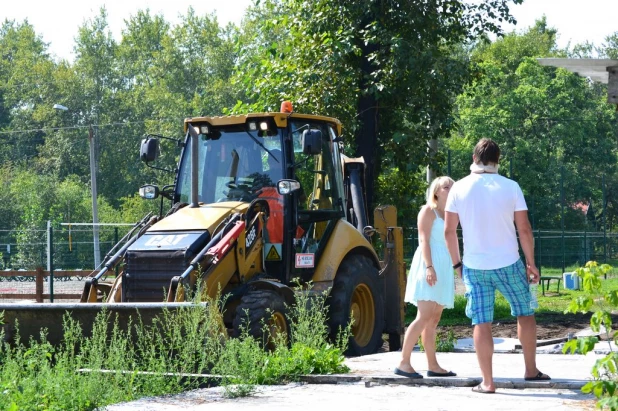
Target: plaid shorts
<point>481,286</point>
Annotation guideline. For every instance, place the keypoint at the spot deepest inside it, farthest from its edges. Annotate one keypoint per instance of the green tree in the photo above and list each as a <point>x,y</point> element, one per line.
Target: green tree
<point>388,70</point>
<point>171,73</point>
<point>25,68</point>
<point>551,125</point>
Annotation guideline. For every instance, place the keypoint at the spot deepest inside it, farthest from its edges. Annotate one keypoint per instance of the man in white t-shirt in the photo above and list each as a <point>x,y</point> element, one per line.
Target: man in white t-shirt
<point>489,207</point>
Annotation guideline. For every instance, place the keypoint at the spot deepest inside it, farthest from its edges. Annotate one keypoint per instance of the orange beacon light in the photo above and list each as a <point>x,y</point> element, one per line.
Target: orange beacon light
<point>286,106</point>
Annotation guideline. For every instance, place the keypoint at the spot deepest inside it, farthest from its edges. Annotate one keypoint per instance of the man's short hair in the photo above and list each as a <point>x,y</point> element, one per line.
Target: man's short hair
<point>487,151</point>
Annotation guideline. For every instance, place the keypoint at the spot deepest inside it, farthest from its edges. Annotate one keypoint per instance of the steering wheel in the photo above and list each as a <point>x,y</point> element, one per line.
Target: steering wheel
<point>241,190</point>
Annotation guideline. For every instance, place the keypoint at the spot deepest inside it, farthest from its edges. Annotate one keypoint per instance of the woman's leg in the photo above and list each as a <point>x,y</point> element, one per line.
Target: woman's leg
<point>429,338</point>
<point>414,330</point>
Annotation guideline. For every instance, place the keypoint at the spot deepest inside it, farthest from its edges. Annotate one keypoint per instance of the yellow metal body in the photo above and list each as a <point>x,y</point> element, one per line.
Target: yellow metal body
<point>199,218</point>
<point>342,241</point>
<point>281,119</point>
<point>393,268</point>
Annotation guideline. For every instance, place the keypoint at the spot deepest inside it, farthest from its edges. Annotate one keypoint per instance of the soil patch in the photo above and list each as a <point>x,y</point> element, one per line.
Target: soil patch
<point>549,326</point>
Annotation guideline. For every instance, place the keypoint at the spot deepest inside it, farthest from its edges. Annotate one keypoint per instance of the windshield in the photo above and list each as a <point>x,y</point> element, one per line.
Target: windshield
<point>232,166</point>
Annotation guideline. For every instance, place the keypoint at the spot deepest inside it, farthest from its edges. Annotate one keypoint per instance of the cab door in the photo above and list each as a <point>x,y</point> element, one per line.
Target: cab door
<point>319,202</point>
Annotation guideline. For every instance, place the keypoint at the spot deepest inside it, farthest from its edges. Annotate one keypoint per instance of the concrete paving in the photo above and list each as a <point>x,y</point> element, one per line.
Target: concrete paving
<point>372,385</point>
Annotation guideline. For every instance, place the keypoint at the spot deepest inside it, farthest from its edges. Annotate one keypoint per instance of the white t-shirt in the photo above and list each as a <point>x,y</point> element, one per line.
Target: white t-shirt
<point>486,205</point>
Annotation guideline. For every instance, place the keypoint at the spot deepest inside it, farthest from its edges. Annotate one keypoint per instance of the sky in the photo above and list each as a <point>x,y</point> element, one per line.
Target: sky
<point>57,21</point>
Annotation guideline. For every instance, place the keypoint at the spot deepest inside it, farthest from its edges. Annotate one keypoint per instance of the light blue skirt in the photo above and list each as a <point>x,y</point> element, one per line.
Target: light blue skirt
<point>443,291</point>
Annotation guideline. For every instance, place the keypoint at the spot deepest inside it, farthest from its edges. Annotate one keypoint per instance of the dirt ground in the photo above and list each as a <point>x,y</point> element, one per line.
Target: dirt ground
<point>549,326</point>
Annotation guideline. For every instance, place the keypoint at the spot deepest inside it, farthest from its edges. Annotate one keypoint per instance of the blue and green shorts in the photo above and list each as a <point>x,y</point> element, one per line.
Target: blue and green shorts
<point>481,286</point>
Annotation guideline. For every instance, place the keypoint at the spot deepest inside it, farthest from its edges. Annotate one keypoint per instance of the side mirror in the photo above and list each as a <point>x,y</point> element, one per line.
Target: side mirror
<point>286,186</point>
<point>149,192</point>
<point>149,151</point>
<point>311,141</point>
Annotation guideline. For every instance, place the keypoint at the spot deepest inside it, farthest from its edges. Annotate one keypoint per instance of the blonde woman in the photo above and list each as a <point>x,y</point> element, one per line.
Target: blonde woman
<point>431,283</point>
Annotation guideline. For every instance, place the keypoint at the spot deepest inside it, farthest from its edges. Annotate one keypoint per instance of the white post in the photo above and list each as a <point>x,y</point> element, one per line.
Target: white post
<point>93,185</point>
<point>95,212</point>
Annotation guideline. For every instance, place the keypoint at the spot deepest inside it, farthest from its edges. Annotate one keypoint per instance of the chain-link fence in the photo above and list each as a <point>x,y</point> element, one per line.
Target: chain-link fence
<point>72,246</point>
<point>552,248</point>
<point>66,249</point>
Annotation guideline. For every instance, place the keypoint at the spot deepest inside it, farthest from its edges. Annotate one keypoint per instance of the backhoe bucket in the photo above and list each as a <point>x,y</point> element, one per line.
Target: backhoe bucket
<point>25,321</point>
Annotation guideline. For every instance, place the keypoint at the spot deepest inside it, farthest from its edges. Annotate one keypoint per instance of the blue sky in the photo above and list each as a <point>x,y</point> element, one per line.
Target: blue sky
<point>57,21</point>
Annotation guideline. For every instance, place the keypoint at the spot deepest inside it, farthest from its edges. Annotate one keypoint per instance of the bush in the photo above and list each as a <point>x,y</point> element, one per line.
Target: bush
<point>112,365</point>
<point>244,364</point>
<point>605,370</point>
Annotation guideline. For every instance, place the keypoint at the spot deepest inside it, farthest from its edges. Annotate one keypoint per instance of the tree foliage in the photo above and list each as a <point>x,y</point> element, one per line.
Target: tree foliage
<point>389,70</point>
<point>397,74</point>
<point>556,133</point>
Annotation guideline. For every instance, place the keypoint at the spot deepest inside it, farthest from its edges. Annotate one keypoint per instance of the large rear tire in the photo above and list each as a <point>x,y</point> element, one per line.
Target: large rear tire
<point>357,294</point>
<point>263,314</point>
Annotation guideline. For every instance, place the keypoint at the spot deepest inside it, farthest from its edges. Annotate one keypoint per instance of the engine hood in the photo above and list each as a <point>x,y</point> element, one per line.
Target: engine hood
<point>204,217</point>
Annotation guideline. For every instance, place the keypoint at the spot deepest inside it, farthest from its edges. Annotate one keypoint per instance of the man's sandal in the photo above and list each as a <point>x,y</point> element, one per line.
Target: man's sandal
<point>479,388</point>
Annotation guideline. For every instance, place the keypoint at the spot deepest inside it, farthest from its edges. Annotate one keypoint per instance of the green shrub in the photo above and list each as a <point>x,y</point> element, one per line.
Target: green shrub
<point>116,364</point>
<point>601,303</point>
<point>445,342</point>
<point>244,364</point>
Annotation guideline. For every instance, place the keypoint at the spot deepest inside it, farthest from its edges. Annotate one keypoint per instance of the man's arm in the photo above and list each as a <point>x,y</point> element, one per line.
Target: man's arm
<point>526,241</point>
<point>451,221</point>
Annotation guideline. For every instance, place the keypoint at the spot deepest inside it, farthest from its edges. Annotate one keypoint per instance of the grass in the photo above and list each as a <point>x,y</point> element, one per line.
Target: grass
<point>558,303</point>
<point>156,360</point>
<point>551,303</point>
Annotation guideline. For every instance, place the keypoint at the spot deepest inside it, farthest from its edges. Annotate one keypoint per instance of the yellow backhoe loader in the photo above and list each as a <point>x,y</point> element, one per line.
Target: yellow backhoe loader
<point>262,206</point>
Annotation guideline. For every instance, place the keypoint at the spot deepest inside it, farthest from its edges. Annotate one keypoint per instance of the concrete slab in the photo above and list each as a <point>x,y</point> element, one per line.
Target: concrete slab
<point>372,386</point>
<point>360,397</point>
<point>512,345</point>
<point>501,345</point>
<point>567,371</point>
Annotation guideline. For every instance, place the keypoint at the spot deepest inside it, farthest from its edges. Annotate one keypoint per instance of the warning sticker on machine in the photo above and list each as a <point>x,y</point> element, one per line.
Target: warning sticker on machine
<point>273,253</point>
<point>305,260</point>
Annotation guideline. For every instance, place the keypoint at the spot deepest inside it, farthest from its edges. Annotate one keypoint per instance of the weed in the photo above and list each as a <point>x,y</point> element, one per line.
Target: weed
<point>601,302</point>
<point>244,364</point>
<point>115,364</point>
<point>445,342</point>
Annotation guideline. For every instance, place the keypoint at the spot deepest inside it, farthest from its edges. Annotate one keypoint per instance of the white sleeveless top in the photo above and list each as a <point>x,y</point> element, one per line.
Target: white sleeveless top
<point>443,291</point>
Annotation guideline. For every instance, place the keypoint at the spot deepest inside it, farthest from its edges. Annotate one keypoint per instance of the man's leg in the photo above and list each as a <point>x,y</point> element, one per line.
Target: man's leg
<point>512,282</point>
<point>480,309</point>
<point>526,332</point>
<point>484,346</point>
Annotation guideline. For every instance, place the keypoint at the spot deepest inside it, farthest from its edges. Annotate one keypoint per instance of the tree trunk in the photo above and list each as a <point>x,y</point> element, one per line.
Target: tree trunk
<point>366,143</point>
<point>367,134</point>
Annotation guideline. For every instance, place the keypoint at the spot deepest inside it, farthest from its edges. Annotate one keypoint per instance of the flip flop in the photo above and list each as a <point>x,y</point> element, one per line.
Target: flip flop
<point>539,377</point>
<point>441,374</point>
<point>482,390</point>
<point>413,375</point>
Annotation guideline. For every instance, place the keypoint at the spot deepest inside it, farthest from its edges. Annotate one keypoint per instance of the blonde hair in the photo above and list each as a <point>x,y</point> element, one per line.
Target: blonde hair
<point>432,199</point>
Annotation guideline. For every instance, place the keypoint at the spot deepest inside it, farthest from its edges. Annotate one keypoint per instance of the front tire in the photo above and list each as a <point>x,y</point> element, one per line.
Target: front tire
<point>263,314</point>
<point>357,295</point>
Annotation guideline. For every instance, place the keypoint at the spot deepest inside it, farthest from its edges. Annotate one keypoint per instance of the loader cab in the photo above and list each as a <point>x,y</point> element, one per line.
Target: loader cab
<point>240,158</point>
<point>233,165</point>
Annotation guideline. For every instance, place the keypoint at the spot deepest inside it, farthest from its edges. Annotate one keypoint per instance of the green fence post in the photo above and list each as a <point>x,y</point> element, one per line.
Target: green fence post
<point>115,242</point>
<point>540,251</point>
<point>562,214</point>
<point>604,220</point>
<point>585,243</point>
<point>50,259</point>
